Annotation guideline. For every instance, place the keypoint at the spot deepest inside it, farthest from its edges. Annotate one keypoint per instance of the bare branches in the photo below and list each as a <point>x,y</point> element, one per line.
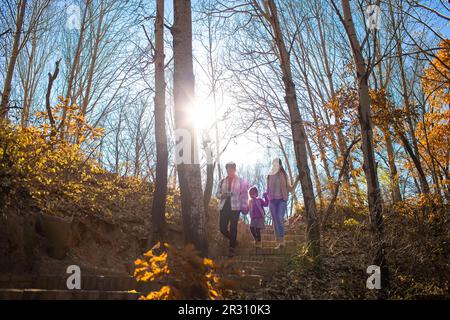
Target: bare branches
<point>153,50</point>
<point>417,4</point>
<point>5,32</point>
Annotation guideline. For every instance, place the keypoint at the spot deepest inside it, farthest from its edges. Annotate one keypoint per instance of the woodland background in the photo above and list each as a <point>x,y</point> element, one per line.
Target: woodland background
<point>359,117</point>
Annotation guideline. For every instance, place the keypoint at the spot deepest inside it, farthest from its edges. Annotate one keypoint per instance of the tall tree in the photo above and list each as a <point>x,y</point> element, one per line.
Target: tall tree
<point>411,148</point>
<point>365,121</point>
<point>189,174</point>
<point>269,12</point>
<point>159,196</point>
<point>21,6</point>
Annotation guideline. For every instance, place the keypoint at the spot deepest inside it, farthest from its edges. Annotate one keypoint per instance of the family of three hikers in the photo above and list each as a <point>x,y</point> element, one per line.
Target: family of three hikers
<point>236,197</point>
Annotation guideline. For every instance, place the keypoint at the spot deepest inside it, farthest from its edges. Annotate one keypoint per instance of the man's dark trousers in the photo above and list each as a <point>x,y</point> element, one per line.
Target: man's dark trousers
<point>229,217</point>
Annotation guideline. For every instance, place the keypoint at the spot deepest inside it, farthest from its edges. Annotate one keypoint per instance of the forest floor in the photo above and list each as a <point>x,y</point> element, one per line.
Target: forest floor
<point>416,253</point>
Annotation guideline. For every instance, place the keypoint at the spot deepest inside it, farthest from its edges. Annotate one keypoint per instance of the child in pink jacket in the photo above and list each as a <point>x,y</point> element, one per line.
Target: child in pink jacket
<point>256,210</point>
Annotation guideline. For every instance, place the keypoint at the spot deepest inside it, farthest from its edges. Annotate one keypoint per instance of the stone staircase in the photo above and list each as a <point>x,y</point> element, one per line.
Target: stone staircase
<point>49,283</point>
<point>256,265</point>
<point>53,287</point>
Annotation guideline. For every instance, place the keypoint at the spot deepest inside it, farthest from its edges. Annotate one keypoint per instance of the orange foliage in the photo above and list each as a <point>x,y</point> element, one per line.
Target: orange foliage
<point>56,171</point>
<point>436,79</point>
<point>433,132</point>
<point>182,274</point>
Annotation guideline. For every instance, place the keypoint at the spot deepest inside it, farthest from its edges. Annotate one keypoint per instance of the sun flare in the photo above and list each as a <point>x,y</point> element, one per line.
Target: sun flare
<point>203,116</point>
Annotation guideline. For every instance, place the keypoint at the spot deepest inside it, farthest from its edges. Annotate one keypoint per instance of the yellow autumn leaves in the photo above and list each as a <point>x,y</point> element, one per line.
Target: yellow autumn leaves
<point>180,273</point>
<point>57,172</point>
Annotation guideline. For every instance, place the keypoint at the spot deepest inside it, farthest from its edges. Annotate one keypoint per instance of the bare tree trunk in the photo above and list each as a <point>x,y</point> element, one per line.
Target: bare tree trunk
<point>320,141</point>
<point>209,178</point>
<point>422,178</point>
<point>28,84</point>
<point>98,37</point>
<point>315,173</point>
<point>393,174</point>
<point>117,140</point>
<point>424,188</point>
<point>160,194</point>
<point>337,113</point>
<point>189,174</point>
<point>395,188</point>
<point>51,79</point>
<point>414,151</point>
<point>298,130</point>
<point>13,59</point>
<point>338,182</point>
<point>74,66</point>
<point>370,166</point>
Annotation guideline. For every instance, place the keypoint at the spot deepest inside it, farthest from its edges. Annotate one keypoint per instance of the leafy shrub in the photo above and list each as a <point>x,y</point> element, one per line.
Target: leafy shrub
<point>60,175</point>
<point>182,274</point>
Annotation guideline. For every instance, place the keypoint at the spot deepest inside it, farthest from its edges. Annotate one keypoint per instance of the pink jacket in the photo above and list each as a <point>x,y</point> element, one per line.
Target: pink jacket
<point>255,210</point>
<point>239,195</point>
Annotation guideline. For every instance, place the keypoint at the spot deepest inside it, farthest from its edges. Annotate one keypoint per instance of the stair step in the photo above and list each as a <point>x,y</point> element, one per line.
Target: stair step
<point>253,265</point>
<point>271,237</point>
<point>265,251</point>
<point>52,266</point>
<point>248,282</point>
<point>253,258</point>
<point>258,271</point>
<point>42,294</point>
<point>268,230</point>
<point>267,244</point>
<point>88,282</point>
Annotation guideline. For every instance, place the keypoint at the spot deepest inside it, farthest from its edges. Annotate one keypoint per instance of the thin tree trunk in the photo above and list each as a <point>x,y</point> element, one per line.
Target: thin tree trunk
<point>51,79</point>
<point>395,188</point>
<point>393,174</point>
<point>424,188</point>
<point>74,68</point>
<point>13,59</point>
<point>210,166</point>
<point>160,194</point>
<point>338,182</point>
<point>98,37</point>
<point>298,132</point>
<point>320,141</point>
<point>315,173</point>
<point>117,141</point>
<point>414,151</point>
<point>189,174</point>
<point>370,166</point>
<point>28,85</point>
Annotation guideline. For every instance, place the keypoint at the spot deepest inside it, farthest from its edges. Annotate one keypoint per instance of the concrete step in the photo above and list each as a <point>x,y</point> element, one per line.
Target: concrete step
<point>248,282</point>
<point>263,272</point>
<point>88,282</point>
<point>53,266</point>
<point>271,237</point>
<point>267,244</point>
<point>258,258</point>
<point>259,265</point>
<point>251,250</point>
<point>42,294</point>
<point>270,230</point>
<point>265,251</point>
